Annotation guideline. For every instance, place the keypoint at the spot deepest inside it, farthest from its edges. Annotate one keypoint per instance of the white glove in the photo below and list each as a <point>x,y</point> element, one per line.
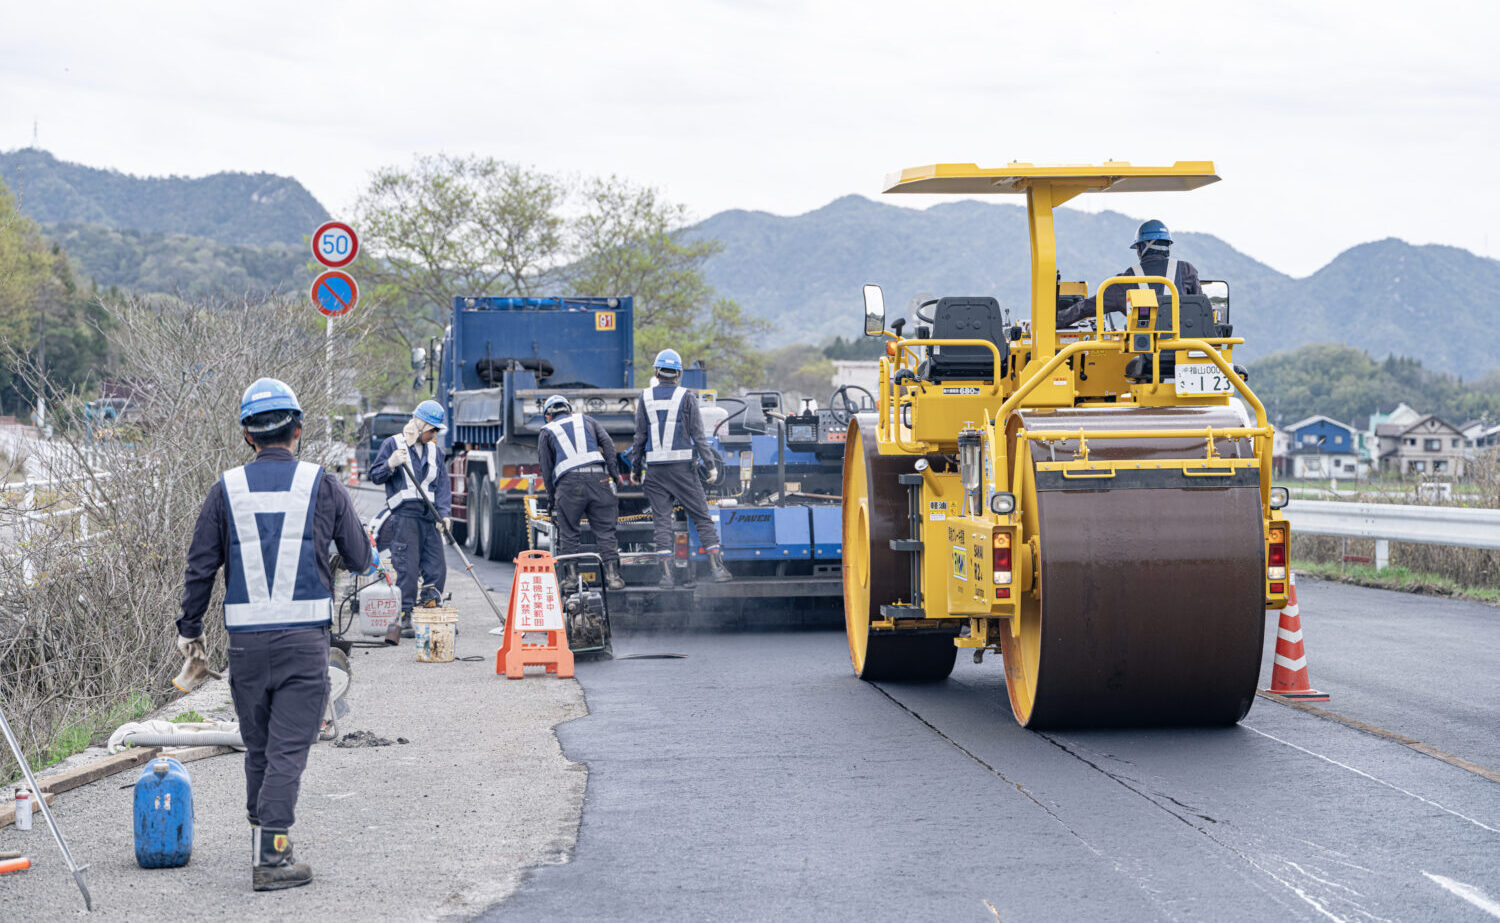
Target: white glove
<point>412,431</point>
<point>192,648</point>
<point>448,524</point>
<point>397,459</point>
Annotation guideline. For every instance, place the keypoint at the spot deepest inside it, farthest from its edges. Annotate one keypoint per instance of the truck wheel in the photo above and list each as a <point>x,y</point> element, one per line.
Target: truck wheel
<point>486,509</point>
<point>471,529</point>
<point>507,535</point>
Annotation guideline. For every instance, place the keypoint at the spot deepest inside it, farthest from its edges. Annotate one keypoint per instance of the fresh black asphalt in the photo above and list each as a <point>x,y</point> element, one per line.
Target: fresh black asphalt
<point>757,779</point>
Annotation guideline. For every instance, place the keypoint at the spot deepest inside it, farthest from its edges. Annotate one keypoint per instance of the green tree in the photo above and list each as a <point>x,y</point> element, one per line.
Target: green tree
<point>451,226</point>
<point>1345,383</point>
<point>628,240</point>
<point>445,226</point>
<point>45,318</point>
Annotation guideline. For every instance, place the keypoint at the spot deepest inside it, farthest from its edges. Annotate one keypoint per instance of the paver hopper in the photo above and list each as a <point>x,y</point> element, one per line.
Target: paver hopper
<point>1095,504</point>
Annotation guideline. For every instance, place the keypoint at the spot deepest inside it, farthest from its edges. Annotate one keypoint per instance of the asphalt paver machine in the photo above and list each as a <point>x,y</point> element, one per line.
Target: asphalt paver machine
<point>1095,504</point>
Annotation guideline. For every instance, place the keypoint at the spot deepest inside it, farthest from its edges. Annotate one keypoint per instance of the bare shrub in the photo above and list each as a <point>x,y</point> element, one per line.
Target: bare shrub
<point>1472,567</point>
<point>91,561</point>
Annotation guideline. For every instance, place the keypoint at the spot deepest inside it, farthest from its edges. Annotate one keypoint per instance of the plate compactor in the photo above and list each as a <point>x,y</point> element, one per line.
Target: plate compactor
<point>1095,504</point>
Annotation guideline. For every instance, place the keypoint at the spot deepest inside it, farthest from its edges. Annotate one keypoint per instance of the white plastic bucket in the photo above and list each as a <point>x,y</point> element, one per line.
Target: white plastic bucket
<point>436,630</point>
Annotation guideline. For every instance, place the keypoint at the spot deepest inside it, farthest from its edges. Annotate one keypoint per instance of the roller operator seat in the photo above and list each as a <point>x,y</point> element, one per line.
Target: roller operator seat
<point>966,318</point>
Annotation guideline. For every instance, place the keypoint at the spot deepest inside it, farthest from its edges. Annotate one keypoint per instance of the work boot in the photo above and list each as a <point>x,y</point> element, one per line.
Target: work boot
<point>406,630</point>
<point>666,582</point>
<point>612,578</point>
<point>393,631</point>
<point>274,867</point>
<point>716,566</point>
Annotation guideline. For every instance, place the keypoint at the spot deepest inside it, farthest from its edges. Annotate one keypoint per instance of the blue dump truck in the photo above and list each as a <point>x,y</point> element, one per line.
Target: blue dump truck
<point>776,496</point>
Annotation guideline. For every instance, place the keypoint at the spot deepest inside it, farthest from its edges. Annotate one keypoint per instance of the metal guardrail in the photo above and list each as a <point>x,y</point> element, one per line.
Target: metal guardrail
<point>1388,522</point>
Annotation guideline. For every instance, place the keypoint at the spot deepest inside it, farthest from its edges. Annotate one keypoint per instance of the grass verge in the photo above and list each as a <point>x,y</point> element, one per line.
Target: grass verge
<point>1398,578</point>
<point>75,738</point>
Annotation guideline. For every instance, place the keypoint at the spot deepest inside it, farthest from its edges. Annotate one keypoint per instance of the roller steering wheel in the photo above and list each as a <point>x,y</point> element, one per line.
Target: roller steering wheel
<point>926,305</point>
<point>842,406</point>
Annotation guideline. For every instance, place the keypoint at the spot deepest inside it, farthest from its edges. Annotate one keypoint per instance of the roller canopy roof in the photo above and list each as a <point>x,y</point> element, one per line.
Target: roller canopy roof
<point>1112,176</point>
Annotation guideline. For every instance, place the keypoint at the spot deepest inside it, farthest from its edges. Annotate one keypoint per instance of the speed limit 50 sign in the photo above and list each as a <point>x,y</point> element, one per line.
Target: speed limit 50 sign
<point>335,244</point>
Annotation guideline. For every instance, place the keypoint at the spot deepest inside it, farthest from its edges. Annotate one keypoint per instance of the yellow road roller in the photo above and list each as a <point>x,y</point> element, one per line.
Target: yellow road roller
<point>1094,503</point>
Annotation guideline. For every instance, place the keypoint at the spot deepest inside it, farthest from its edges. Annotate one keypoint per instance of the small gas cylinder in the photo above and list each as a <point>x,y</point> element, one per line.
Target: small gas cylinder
<point>163,815</point>
<point>379,606</point>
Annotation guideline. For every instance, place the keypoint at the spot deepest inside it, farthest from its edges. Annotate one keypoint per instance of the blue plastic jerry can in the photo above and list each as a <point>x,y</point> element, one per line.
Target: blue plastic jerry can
<point>163,815</point>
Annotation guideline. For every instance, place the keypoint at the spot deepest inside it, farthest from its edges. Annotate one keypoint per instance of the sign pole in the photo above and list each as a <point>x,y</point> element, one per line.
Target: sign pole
<point>328,360</point>
<point>334,292</point>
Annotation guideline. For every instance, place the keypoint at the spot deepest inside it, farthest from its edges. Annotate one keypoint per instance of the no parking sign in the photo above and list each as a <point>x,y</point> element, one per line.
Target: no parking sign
<point>335,292</point>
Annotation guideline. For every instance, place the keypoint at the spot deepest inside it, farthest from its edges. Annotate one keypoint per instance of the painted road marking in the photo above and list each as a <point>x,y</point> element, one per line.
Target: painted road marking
<point>1424,749</point>
<point>1361,772</point>
<point>1469,893</point>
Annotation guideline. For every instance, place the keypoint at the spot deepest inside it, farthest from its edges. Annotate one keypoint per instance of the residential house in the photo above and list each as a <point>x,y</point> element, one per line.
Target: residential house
<point>1426,447</point>
<point>1322,447</point>
<point>1480,436</point>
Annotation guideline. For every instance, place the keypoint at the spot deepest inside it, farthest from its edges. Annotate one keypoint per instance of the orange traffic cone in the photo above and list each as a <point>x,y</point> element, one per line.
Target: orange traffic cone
<point>353,480</point>
<point>535,609</point>
<point>1289,673</point>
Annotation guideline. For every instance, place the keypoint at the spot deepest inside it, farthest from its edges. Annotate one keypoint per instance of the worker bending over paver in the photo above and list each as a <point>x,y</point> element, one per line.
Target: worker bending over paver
<point>579,470</point>
<point>668,437</point>
<point>277,608</point>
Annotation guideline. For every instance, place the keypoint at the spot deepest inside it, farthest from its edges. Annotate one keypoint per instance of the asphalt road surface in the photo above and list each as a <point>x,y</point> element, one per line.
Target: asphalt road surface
<point>757,778</point>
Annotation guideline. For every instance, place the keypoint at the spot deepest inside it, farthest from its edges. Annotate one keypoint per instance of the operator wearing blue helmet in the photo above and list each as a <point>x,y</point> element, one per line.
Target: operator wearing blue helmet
<point>405,528</point>
<point>1153,247</point>
<point>277,608</point>
<point>668,437</point>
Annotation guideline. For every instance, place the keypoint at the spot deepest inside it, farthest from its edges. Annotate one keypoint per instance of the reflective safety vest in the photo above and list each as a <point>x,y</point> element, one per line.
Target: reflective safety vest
<point>1161,290</point>
<point>271,506</point>
<point>430,468</point>
<point>667,439</point>
<point>576,445</point>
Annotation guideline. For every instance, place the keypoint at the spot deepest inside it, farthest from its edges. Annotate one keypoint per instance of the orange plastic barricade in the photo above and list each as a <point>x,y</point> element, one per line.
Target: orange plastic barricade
<point>535,609</point>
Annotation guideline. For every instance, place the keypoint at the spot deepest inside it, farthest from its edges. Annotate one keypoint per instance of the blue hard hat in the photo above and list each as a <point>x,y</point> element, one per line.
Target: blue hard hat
<point>557,404</point>
<point>668,359</point>
<point>431,413</point>
<point>267,394</point>
<point>1152,230</point>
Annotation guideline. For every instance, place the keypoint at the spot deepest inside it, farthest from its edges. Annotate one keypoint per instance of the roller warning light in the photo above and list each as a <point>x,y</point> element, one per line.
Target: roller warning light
<point>1094,503</point>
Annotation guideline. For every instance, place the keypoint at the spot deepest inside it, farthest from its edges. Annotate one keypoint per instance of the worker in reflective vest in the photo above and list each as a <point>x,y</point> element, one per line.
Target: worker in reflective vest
<point>1153,247</point>
<point>405,529</point>
<point>668,438</point>
<point>579,470</point>
<point>277,608</point>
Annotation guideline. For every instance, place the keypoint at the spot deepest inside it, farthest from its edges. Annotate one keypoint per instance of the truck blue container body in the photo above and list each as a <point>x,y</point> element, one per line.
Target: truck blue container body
<point>163,815</point>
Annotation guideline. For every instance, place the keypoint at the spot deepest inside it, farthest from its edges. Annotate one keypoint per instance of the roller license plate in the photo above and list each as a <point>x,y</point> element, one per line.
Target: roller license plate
<point>1201,378</point>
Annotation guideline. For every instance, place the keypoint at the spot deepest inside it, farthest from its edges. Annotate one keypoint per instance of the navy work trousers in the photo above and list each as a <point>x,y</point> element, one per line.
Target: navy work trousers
<point>415,548</point>
<point>279,681</point>
<point>591,495</point>
<point>677,481</point>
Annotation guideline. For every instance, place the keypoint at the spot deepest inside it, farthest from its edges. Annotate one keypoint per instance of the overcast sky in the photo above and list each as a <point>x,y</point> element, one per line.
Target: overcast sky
<point>1331,123</point>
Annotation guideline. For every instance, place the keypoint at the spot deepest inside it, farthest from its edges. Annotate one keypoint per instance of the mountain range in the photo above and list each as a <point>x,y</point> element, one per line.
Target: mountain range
<point>239,231</point>
<point>804,274</point>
